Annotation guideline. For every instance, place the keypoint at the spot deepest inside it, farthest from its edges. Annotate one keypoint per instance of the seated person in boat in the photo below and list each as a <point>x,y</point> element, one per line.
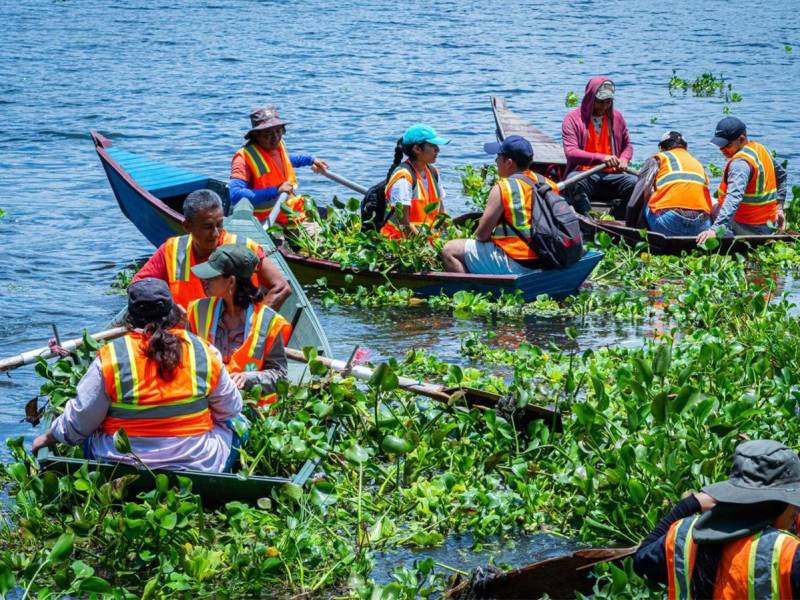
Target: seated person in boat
<point>414,191</point>
<point>174,259</point>
<point>736,538</point>
<point>250,335</point>
<point>596,133</point>
<point>262,169</point>
<point>753,187</point>
<point>497,249</point>
<point>677,202</point>
<point>164,386</point>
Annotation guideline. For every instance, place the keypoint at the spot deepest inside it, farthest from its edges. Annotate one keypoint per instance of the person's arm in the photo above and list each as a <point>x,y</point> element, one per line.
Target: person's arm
<point>225,401</point>
<point>239,186</point>
<point>572,149</point>
<point>650,560</point>
<point>273,281</point>
<point>491,216</point>
<point>275,369</point>
<point>306,160</point>
<point>156,266</point>
<point>82,415</point>
<point>780,178</point>
<point>738,176</point>
<point>400,199</point>
<point>625,151</point>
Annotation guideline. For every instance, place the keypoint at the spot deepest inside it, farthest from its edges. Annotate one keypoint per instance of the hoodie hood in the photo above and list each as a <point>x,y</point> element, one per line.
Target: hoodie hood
<point>587,105</point>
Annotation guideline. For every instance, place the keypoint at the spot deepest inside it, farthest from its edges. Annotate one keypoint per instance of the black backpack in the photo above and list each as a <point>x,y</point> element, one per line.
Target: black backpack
<point>555,229</point>
<point>373,205</point>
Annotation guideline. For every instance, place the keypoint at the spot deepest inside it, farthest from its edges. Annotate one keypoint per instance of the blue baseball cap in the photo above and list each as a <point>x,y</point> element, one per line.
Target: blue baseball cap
<point>728,129</point>
<point>416,134</point>
<point>513,146</point>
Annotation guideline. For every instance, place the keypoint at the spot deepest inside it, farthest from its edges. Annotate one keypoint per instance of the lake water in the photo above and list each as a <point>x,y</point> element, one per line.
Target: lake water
<point>176,80</point>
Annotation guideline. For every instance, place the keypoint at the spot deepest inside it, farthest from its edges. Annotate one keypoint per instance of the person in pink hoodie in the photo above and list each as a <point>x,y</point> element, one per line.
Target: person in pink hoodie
<point>593,134</point>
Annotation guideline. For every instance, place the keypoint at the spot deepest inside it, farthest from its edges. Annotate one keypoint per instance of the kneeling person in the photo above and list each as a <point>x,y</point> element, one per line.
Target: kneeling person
<point>497,249</point>
<point>250,335</point>
<point>166,387</point>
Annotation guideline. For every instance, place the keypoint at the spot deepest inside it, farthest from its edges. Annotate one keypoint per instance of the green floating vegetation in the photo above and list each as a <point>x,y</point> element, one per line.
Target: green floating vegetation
<point>571,101</point>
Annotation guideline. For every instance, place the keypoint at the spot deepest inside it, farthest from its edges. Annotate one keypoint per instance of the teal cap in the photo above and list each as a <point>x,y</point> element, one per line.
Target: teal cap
<point>230,259</point>
<point>416,134</point>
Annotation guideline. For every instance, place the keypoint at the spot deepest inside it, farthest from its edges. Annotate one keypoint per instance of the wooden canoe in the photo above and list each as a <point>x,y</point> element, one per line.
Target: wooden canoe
<point>549,154</point>
<point>558,577</point>
<point>150,194</point>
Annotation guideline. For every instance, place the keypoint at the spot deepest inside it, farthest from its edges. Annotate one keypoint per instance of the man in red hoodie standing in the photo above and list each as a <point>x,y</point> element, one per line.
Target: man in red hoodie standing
<point>596,133</point>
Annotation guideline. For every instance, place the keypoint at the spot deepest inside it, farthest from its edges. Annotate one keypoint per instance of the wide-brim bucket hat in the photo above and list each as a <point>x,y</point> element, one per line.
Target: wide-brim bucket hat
<point>263,118</point>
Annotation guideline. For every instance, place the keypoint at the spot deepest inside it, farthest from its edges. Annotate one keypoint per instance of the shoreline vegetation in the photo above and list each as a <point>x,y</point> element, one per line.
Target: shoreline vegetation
<point>641,427</point>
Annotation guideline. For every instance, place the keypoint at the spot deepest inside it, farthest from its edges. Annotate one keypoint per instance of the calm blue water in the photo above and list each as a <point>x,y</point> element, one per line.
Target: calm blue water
<point>176,80</point>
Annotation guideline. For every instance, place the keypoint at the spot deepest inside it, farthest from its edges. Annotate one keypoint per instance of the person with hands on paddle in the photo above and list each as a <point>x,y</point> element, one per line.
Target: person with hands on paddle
<point>736,538</point>
<point>596,133</point>
<point>414,192</point>
<point>501,246</point>
<point>263,169</point>
<point>753,188</point>
<point>173,260</point>
<point>167,388</point>
<point>250,336</point>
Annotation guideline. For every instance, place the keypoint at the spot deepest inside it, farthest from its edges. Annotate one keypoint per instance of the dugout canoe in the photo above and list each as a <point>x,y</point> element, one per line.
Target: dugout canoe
<point>556,283</point>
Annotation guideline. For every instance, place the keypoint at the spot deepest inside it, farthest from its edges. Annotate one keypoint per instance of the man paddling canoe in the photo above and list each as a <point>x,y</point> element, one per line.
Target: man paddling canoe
<point>262,169</point>
<point>753,187</point>
<point>497,249</point>
<point>414,193</point>
<point>173,260</point>
<point>165,386</point>
<point>596,133</point>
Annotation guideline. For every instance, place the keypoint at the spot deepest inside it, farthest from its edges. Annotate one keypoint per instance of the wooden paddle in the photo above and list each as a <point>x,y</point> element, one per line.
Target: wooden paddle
<point>344,181</point>
<point>474,398</point>
<point>26,358</point>
<point>276,210</point>
<point>558,577</point>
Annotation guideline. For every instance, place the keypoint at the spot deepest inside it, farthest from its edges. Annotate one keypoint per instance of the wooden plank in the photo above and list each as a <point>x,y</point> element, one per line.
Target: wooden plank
<point>546,150</point>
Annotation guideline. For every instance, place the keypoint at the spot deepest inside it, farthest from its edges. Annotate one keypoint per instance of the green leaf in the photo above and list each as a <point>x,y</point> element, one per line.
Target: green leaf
<point>661,360</point>
<point>62,548</point>
<point>96,585</point>
<point>292,490</point>
<point>384,378</point>
<point>644,371</point>
<point>637,491</point>
<point>619,579</point>
<point>169,521</point>
<point>687,396</point>
<point>659,408</point>
<point>162,483</point>
<point>356,454</point>
<point>585,413</point>
<point>396,445</point>
<point>81,569</point>
<point>121,442</point>
<point>322,495</point>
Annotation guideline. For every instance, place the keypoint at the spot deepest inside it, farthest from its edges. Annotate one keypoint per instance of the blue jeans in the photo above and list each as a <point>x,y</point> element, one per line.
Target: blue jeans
<point>742,229</point>
<point>671,222</point>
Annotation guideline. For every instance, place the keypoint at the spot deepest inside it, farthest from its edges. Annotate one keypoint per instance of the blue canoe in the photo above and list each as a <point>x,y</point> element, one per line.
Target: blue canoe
<point>150,194</point>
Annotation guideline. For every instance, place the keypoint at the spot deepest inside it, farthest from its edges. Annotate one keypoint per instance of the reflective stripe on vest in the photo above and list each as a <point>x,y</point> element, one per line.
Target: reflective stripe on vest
<point>262,325</point>
<point>265,173</point>
<point>681,551</point>
<point>425,189</point>
<point>759,202</point>
<point>516,194</point>
<point>184,285</point>
<point>680,182</point>
<point>148,406</point>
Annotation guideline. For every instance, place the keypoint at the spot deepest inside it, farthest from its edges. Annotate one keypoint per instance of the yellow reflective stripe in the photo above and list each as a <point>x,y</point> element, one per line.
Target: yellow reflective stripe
<point>141,407</point>
<point>751,568</point>
<point>134,373</point>
<point>170,250</point>
<point>775,564</point>
<point>400,173</point>
<point>255,329</point>
<point>258,161</point>
<point>112,356</point>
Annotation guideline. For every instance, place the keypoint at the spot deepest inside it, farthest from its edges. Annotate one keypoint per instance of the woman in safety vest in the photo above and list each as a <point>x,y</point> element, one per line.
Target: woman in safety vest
<point>734,539</point>
<point>250,335</point>
<point>413,190</point>
<point>164,386</point>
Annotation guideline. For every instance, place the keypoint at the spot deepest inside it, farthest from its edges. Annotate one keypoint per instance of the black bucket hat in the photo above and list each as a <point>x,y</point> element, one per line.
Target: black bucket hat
<point>763,471</point>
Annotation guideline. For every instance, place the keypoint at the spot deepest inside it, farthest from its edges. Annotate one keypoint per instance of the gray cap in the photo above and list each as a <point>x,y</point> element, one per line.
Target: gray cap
<point>605,91</point>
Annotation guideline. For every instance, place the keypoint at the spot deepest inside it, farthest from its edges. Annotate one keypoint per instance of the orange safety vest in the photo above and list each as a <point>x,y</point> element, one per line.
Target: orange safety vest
<point>760,202</point>
<point>265,172</point>
<point>185,285</point>
<point>262,325</point>
<point>423,192</point>
<point>517,194</point>
<point>755,566</point>
<point>680,182</point>
<point>600,144</point>
<point>146,405</point>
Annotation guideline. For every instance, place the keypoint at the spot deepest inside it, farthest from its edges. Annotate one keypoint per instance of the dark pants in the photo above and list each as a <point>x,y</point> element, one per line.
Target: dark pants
<point>609,188</point>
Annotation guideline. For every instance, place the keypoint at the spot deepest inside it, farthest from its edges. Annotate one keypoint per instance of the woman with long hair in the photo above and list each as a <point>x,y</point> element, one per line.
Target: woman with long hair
<point>166,387</point>
<point>413,190</point>
<point>250,335</point>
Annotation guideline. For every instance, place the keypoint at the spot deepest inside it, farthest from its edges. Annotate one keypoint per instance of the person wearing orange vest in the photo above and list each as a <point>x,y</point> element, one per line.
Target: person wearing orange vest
<point>414,192</point>
<point>174,259</point>
<point>262,169</point>
<point>735,539</point>
<point>250,336</point>
<point>596,133</point>
<point>679,202</point>
<point>753,187</point>
<point>167,388</point>
<point>497,249</point>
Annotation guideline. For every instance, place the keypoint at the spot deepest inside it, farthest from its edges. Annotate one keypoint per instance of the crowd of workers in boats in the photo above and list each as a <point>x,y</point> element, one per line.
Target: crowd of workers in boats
<point>670,195</point>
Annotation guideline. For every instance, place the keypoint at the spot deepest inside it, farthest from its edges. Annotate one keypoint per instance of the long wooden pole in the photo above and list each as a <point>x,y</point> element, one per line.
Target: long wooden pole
<point>580,176</point>
<point>345,182</point>
<point>26,358</point>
